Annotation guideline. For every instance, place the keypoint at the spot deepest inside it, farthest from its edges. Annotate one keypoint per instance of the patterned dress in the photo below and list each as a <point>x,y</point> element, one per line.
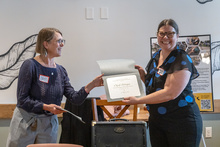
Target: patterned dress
<point>176,122</point>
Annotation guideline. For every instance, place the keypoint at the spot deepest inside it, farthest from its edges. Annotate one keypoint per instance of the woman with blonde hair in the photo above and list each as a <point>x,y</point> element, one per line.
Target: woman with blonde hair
<point>42,83</point>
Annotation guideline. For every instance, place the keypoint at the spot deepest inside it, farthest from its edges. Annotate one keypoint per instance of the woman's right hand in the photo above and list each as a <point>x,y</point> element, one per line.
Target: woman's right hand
<point>141,72</point>
<point>55,109</point>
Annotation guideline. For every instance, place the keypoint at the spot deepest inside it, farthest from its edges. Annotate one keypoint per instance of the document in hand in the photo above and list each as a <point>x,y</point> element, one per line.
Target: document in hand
<point>121,79</point>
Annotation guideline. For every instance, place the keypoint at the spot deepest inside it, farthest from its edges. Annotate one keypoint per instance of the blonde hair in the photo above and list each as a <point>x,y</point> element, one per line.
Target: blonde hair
<point>45,34</point>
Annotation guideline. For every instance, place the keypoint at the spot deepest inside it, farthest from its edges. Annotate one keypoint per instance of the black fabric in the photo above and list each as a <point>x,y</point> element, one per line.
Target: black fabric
<point>177,130</point>
<point>73,130</point>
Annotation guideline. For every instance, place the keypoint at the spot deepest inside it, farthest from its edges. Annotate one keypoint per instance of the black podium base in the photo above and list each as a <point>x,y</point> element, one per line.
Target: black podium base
<point>119,134</point>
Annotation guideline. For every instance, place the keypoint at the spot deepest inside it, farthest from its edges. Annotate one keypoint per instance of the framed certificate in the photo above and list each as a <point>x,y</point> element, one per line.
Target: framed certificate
<point>121,79</point>
<point>123,86</point>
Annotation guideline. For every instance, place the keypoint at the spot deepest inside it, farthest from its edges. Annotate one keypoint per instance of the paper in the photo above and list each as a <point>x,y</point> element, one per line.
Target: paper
<point>79,118</point>
<point>121,79</point>
<point>123,86</point>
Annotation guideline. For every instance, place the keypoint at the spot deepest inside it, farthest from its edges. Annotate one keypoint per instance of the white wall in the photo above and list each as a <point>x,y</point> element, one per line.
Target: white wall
<point>126,34</point>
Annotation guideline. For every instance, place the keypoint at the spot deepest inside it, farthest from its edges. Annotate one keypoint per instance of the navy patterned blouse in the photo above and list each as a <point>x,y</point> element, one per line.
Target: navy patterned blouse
<point>155,79</point>
<point>38,85</point>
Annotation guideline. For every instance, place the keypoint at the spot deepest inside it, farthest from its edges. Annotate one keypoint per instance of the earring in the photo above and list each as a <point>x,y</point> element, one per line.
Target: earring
<point>45,53</point>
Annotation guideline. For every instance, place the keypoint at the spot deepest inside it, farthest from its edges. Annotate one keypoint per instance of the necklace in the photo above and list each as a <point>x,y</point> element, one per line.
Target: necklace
<point>53,65</point>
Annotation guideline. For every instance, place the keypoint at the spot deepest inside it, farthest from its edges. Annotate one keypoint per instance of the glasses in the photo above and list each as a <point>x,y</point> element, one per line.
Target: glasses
<point>61,41</point>
<point>168,34</point>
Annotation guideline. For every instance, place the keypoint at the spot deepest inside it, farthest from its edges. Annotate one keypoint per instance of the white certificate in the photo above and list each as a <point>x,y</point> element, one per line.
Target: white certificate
<point>123,86</point>
<point>121,79</point>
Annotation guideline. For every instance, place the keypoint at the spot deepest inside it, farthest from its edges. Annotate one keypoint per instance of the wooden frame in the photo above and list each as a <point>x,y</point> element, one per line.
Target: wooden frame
<point>102,103</point>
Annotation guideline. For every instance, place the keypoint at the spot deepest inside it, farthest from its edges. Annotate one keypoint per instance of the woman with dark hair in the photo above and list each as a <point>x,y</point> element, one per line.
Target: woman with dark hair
<point>175,119</point>
<point>42,83</point>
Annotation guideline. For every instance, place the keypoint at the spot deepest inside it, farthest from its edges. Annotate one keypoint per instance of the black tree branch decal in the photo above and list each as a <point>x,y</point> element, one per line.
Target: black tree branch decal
<point>215,55</point>
<point>203,1</point>
<point>11,61</point>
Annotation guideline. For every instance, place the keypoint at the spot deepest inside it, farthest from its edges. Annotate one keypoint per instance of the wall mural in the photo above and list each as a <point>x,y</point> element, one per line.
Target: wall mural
<point>203,1</point>
<point>11,61</point>
<point>215,56</point>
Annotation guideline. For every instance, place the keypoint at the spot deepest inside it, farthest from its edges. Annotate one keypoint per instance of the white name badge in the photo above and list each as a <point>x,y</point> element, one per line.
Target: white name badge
<point>160,71</point>
<point>44,78</point>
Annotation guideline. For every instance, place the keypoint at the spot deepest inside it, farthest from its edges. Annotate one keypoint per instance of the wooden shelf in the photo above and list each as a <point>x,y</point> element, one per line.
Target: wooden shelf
<point>6,111</point>
<point>143,115</point>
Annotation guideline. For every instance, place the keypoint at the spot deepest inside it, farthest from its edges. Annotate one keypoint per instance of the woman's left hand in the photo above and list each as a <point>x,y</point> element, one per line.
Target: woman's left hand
<point>98,81</point>
<point>130,100</point>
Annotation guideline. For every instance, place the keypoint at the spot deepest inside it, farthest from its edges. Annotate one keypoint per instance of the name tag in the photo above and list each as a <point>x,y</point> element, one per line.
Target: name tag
<point>44,78</point>
<point>160,71</point>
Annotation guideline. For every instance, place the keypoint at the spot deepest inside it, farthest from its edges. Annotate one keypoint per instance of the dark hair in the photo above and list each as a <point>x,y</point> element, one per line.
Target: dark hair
<point>169,22</point>
<point>45,34</point>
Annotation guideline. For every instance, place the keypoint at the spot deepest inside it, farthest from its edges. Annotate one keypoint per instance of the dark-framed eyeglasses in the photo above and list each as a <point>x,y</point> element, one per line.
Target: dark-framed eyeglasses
<point>168,34</point>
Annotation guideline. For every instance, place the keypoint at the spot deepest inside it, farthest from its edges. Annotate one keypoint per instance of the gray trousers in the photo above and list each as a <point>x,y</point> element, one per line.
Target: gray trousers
<point>28,128</point>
